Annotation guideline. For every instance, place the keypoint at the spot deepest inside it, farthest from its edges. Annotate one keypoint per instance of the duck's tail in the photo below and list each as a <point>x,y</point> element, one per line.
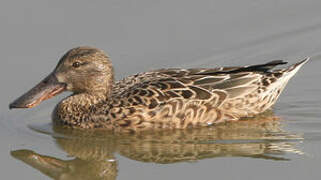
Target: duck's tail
<point>284,75</point>
<point>293,69</point>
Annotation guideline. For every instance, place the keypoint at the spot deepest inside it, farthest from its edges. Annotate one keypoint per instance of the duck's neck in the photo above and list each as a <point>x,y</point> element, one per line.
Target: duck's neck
<point>77,110</point>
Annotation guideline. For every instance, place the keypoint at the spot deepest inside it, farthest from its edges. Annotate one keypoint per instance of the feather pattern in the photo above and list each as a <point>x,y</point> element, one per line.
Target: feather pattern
<point>180,98</point>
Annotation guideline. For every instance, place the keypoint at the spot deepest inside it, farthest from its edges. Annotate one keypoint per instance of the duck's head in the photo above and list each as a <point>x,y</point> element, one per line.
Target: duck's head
<point>80,70</point>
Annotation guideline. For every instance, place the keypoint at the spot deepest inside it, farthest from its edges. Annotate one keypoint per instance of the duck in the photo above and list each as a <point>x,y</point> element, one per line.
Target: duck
<point>171,98</point>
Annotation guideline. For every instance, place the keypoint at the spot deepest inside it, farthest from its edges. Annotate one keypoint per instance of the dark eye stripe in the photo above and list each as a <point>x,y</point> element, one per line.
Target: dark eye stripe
<point>77,64</point>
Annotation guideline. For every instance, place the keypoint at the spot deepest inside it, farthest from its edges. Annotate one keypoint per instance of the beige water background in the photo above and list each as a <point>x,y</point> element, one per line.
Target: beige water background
<point>150,34</point>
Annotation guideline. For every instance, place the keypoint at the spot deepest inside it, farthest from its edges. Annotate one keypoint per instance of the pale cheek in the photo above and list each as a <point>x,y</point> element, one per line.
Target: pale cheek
<point>60,78</point>
<point>69,83</point>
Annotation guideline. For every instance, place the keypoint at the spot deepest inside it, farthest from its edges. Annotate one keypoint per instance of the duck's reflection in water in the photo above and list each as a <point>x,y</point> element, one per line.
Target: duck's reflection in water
<point>93,151</point>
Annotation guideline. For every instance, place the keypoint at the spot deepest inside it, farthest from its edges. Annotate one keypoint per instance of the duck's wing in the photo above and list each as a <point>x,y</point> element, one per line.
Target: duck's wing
<point>158,87</point>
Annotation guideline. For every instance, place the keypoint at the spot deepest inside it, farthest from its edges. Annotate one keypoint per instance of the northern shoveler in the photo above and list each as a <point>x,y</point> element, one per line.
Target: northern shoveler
<point>159,99</point>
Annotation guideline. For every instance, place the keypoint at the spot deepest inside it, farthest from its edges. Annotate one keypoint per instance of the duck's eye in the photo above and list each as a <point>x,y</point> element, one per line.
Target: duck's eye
<point>76,64</point>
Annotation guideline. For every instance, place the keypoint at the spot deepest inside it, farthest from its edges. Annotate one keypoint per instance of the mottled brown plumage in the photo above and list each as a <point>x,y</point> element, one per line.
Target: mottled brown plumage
<point>160,99</point>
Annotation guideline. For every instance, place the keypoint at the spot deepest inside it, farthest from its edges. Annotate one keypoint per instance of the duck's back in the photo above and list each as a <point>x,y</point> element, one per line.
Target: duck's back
<point>178,98</point>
